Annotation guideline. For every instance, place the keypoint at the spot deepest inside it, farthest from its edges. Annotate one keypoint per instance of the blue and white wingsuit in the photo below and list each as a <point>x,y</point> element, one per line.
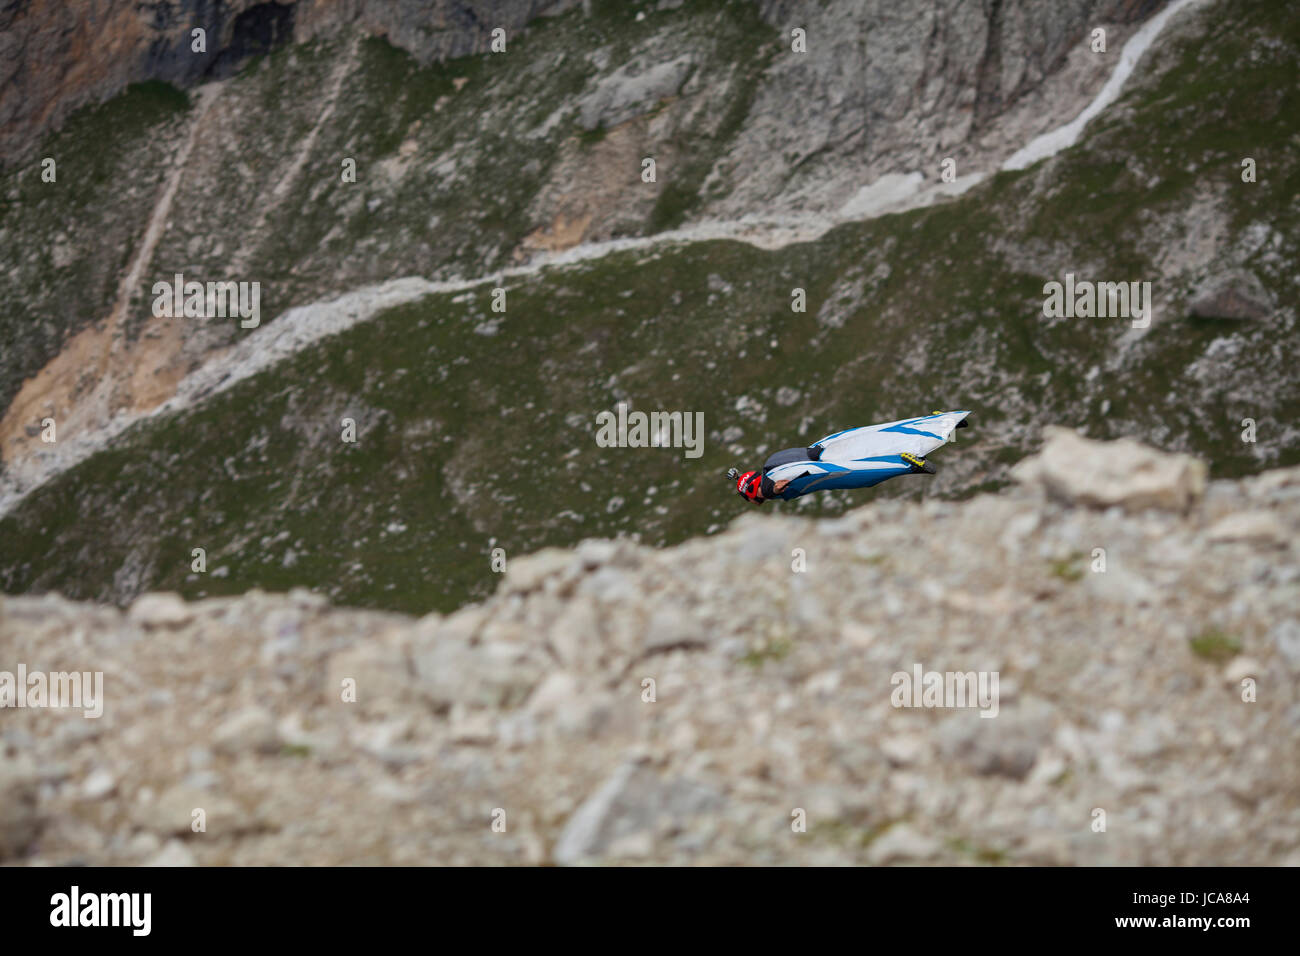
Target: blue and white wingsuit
<point>860,457</point>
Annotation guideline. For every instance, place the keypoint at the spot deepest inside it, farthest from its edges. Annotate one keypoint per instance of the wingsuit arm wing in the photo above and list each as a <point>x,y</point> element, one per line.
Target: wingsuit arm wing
<point>821,479</point>
<point>793,470</point>
<point>802,469</point>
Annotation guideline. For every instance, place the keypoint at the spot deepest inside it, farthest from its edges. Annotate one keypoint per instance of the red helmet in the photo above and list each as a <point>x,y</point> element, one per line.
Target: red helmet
<point>749,485</point>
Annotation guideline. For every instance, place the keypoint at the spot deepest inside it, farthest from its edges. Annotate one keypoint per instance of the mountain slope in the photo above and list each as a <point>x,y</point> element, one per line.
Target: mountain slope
<point>476,429</point>
<point>467,164</point>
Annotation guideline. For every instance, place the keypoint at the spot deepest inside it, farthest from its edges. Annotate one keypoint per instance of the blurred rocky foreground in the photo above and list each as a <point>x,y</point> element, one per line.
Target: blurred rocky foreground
<point>1119,691</point>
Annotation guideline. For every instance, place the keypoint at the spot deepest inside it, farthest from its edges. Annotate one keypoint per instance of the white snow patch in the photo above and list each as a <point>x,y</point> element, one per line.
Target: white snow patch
<point>1063,137</point>
<point>888,192</point>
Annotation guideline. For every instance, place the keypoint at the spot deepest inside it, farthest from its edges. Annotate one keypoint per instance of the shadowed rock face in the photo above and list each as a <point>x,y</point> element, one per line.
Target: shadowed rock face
<point>621,703</point>
<point>254,32</point>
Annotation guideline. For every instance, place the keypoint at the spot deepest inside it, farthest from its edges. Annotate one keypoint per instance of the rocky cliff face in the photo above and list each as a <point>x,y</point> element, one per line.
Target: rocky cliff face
<point>882,89</point>
<point>58,56</point>
<point>893,90</point>
<point>730,700</point>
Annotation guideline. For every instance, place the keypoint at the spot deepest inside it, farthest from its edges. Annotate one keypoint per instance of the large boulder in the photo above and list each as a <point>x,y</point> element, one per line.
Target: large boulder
<point>1235,295</point>
<point>1104,474</point>
<point>632,90</point>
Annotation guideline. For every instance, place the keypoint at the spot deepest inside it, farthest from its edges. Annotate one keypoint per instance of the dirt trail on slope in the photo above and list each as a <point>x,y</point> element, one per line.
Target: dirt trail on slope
<point>99,373</point>
<point>282,188</point>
